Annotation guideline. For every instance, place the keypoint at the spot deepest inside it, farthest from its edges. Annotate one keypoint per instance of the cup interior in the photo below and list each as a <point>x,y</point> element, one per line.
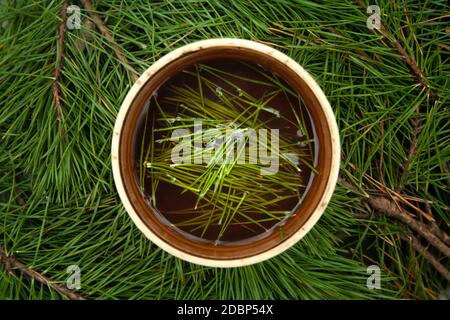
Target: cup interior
<point>311,202</point>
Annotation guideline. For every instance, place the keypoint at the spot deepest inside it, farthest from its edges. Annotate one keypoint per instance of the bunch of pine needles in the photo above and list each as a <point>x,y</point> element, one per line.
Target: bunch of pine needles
<point>60,91</point>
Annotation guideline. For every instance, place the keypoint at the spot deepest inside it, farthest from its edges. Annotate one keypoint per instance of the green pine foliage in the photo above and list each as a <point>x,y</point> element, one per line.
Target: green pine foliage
<point>58,203</point>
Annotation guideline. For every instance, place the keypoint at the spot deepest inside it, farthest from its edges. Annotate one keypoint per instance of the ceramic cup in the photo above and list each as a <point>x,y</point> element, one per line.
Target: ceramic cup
<point>313,204</point>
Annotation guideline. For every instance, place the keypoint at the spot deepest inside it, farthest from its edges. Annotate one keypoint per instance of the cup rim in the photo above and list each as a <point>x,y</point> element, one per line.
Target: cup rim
<point>325,108</point>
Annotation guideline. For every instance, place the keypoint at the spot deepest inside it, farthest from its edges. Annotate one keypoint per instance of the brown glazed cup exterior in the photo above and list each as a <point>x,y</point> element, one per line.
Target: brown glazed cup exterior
<point>307,213</point>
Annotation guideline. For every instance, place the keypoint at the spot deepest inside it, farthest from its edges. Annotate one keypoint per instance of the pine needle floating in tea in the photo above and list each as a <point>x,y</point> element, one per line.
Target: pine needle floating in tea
<point>226,151</point>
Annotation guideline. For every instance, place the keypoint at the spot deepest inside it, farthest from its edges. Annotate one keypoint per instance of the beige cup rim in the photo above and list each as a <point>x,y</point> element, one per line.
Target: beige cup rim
<point>330,120</point>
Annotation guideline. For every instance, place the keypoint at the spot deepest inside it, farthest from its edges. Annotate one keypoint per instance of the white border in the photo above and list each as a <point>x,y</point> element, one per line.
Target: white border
<point>331,121</point>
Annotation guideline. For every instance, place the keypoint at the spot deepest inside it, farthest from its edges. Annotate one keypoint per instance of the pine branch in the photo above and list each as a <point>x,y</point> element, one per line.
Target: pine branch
<point>416,72</point>
<point>59,62</point>
<point>422,81</point>
<point>391,209</point>
<point>417,126</point>
<point>11,264</point>
<point>440,233</point>
<point>362,79</point>
<point>432,260</point>
<point>107,34</point>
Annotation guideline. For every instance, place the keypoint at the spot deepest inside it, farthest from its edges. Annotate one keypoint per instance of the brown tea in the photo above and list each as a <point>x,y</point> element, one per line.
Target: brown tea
<point>215,201</point>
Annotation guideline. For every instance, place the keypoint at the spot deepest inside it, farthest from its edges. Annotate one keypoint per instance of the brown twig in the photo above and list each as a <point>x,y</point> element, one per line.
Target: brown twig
<point>86,35</point>
<point>87,4</point>
<point>391,209</point>
<point>436,229</point>
<point>270,44</point>
<point>397,197</point>
<point>187,34</point>
<point>421,80</point>
<point>441,234</point>
<point>11,264</point>
<point>434,234</point>
<point>427,255</point>
<point>416,72</point>
<point>405,11</point>
<point>417,126</point>
<point>443,46</point>
<point>59,62</point>
<point>445,169</point>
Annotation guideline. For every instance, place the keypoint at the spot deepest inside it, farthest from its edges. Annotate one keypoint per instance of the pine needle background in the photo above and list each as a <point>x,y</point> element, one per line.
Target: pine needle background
<point>60,91</point>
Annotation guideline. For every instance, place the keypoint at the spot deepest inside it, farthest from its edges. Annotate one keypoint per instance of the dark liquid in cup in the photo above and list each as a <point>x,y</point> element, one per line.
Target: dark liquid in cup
<point>171,198</point>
